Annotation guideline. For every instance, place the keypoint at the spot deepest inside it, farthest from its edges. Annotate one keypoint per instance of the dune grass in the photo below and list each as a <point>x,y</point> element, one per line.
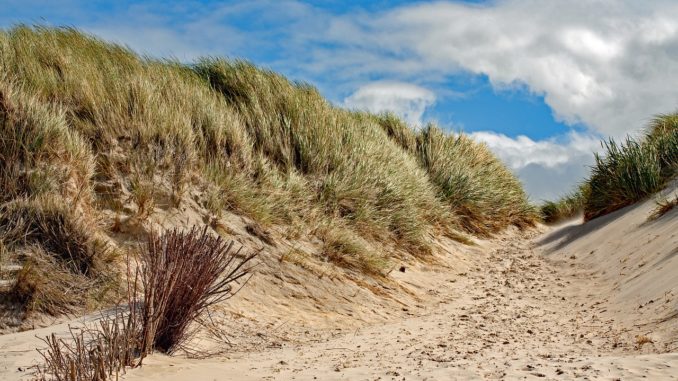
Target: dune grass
<point>624,173</point>
<point>482,194</point>
<point>635,169</point>
<point>65,265</point>
<point>568,206</point>
<point>99,128</point>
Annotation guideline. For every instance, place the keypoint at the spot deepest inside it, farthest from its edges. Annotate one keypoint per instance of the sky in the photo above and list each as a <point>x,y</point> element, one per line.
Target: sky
<point>540,82</point>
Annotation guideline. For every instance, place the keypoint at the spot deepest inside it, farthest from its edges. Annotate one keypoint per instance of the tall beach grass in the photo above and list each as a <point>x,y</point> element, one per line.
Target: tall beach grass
<point>624,173</point>
<point>103,131</point>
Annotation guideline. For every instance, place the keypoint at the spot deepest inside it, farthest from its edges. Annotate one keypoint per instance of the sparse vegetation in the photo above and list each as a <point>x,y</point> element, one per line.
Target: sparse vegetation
<point>642,340</point>
<point>664,205</point>
<point>95,353</point>
<point>179,275</point>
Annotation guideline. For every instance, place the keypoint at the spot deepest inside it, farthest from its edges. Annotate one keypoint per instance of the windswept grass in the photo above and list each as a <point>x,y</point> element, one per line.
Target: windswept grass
<point>341,159</point>
<point>479,189</point>
<point>100,129</point>
<point>630,171</point>
<point>346,248</point>
<point>566,207</point>
<point>482,194</point>
<point>624,173</point>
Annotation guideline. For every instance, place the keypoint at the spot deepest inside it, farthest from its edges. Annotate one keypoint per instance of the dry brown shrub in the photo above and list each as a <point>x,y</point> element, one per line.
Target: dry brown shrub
<point>179,276</point>
<point>182,274</point>
<point>96,353</point>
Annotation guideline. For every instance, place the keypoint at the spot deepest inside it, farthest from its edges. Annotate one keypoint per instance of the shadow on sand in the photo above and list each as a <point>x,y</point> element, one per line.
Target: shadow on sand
<point>564,236</point>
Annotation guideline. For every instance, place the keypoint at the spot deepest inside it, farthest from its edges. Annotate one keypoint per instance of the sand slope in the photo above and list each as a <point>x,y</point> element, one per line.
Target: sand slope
<point>561,303</point>
<point>634,261</point>
<point>516,314</point>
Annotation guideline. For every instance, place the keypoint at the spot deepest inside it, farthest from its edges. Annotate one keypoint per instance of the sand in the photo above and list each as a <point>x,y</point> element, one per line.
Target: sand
<point>573,301</point>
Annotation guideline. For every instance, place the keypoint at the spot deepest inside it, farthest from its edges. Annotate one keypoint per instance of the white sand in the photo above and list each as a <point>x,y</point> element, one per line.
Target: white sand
<point>567,303</point>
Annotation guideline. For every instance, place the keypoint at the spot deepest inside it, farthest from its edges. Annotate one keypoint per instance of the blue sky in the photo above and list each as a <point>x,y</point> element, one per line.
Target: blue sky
<point>539,82</point>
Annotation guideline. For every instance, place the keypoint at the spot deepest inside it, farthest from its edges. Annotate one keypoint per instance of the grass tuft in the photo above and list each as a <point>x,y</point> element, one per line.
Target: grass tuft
<point>566,207</point>
<point>347,249</point>
<point>51,224</point>
<point>45,285</point>
<point>179,276</point>
<point>624,173</point>
<point>65,266</point>
<point>633,170</point>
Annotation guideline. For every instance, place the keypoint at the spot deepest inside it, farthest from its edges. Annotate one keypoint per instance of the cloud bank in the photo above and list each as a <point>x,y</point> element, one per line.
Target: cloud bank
<point>405,100</point>
<point>608,64</point>
<point>549,168</point>
<point>550,153</point>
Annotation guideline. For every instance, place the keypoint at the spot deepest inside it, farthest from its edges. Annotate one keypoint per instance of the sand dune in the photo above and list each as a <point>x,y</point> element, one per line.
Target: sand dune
<point>634,260</point>
<point>595,300</point>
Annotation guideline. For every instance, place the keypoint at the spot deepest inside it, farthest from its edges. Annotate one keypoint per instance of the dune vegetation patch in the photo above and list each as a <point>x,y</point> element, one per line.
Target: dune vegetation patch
<point>624,173</point>
<point>566,207</point>
<point>95,130</point>
<point>665,204</point>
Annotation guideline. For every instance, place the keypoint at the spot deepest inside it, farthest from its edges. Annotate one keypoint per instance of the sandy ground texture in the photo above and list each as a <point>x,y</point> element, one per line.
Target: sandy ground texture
<point>591,301</point>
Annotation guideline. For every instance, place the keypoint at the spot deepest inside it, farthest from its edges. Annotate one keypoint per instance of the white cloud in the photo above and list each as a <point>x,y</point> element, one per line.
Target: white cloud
<point>523,151</point>
<point>405,100</point>
<point>608,64</point>
<point>549,168</point>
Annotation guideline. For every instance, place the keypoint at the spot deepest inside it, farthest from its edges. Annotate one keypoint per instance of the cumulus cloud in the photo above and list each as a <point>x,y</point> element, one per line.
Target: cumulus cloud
<point>608,64</point>
<point>405,100</point>
<point>522,151</point>
<point>549,168</point>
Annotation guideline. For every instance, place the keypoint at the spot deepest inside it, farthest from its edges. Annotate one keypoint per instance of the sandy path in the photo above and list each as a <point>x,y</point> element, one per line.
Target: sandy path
<point>516,315</point>
<point>506,309</point>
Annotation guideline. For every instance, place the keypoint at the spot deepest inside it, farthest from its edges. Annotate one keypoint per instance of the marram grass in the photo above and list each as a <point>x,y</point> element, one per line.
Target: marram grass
<point>634,169</point>
<point>97,127</point>
<point>568,206</point>
<point>624,173</point>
